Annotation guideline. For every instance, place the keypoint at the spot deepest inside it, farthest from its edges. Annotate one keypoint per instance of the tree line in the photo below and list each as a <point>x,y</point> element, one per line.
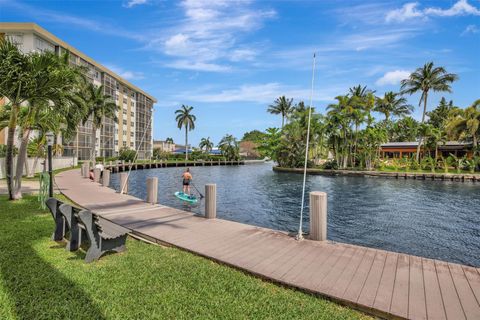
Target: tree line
<point>350,136</point>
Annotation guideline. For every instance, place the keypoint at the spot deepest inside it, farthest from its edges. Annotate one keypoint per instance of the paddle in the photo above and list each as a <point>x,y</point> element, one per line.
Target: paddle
<point>201,195</point>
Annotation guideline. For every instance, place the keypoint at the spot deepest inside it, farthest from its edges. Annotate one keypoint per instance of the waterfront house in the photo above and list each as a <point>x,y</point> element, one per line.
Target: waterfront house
<point>409,148</point>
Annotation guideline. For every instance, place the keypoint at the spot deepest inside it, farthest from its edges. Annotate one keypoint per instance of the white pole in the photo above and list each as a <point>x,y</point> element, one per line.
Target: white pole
<point>300,227</point>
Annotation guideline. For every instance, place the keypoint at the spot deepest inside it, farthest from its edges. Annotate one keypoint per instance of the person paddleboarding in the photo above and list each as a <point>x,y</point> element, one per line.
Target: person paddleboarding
<point>187,178</point>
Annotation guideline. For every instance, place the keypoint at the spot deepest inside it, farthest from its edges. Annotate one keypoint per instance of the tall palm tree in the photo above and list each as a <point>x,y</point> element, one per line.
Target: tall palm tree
<point>169,140</point>
<point>229,147</point>
<point>466,124</point>
<point>281,106</point>
<point>29,80</point>
<point>392,104</point>
<point>206,144</point>
<point>100,106</point>
<point>186,119</point>
<point>425,79</point>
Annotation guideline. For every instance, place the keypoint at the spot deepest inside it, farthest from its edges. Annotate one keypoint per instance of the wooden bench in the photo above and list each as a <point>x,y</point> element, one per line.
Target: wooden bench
<point>84,226</point>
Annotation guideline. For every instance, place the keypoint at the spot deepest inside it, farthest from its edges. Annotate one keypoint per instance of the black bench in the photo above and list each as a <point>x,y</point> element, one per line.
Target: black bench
<point>102,235</point>
<point>78,233</point>
<point>61,228</point>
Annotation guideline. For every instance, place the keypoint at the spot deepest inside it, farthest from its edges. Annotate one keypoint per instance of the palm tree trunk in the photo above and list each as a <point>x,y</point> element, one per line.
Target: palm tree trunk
<point>21,159</point>
<point>423,120</point>
<point>94,143</point>
<point>12,124</point>
<point>186,142</point>
<point>475,144</point>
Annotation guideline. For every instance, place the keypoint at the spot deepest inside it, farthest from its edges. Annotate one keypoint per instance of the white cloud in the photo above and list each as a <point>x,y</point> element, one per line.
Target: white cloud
<point>471,28</point>
<point>259,93</point>
<point>198,66</point>
<point>243,55</point>
<point>133,3</point>
<point>51,16</point>
<point>209,35</point>
<point>125,74</point>
<point>410,10</point>
<point>392,77</point>
<point>460,8</point>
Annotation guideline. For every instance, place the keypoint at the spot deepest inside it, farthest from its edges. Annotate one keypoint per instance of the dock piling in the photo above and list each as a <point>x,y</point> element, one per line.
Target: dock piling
<point>86,170</point>
<point>318,216</point>
<point>152,190</point>
<point>96,174</point>
<point>106,178</point>
<point>210,201</point>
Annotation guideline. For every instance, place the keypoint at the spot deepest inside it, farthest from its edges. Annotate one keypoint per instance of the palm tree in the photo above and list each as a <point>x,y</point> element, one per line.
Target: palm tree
<point>206,144</point>
<point>186,119</point>
<point>169,140</point>
<point>423,80</point>
<point>281,106</point>
<point>100,106</point>
<point>29,80</point>
<point>466,124</point>
<point>392,104</point>
<point>229,147</point>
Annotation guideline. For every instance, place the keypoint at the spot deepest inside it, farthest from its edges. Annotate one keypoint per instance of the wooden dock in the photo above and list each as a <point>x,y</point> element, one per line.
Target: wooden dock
<point>382,283</point>
<point>154,164</point>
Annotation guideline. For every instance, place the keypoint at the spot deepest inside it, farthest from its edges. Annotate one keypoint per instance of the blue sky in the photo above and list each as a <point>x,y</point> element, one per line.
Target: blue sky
<point>230,59</point>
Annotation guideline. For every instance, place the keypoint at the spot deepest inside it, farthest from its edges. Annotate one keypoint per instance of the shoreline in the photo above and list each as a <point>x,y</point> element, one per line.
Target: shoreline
<point>459,177</point>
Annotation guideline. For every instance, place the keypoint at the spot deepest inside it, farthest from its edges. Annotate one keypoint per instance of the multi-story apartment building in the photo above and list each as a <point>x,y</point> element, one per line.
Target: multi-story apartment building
<point>135,119</point>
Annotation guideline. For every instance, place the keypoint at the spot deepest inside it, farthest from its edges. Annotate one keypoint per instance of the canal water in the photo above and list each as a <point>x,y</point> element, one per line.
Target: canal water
<point>435,219</point>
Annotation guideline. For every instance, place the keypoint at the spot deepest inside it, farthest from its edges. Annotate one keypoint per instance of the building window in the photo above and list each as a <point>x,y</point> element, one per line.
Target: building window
<point>124,132</point>
<point>132,114</point>
<point>125,122</point>
<point>131,144</point>
<point>131,134</point>
<point>124,143</point>
<point>42,45</point>
<point>16,38</point>
<point>124,100</point>
<point>125,111</point>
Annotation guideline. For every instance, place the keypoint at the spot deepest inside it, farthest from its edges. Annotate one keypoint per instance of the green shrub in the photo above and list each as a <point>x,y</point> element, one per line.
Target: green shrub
<point>330,165</point>
<point>127,154</point>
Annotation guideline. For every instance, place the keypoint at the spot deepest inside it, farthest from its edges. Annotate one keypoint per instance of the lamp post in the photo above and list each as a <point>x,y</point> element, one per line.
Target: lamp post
<point>50,138</point>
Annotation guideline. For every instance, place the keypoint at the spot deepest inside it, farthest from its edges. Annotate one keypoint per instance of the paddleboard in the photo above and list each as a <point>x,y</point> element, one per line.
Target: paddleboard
<point>185,197</point>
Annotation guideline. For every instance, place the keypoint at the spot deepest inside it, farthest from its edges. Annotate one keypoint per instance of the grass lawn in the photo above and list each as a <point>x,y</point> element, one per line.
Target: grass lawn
<point>39,279</point>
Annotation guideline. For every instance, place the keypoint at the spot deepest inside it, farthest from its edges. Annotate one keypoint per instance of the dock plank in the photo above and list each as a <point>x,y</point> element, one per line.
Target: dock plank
<point>356,285</point>
<point>369,291</point>
<point>467,298</point>
<point>417,308</point>
<point>400,290</point>
<point>383,298</point>
<point>451,301</point>
<point>433,295</point>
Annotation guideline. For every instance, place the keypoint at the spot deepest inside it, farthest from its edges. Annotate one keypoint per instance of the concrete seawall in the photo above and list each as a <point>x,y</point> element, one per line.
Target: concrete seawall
<point>460,177</point>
